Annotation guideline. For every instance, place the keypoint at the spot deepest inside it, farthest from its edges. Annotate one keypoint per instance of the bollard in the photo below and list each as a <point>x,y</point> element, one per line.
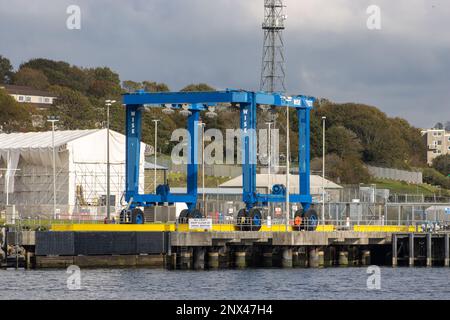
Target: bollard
<point>394,250</point>
<point>365,258</point>
<point>329,256</point>
<point>302,258</point>
<point>343,259</point>
<point>446,248</point>
<point>213,260</point>
<point>240,260</point>
<point>429,250</point>
<point>286,260</point>
<point>313,258</point>
<point>411,250</point>
<point>199,258</point>
<point>185,260</point>
<point>267,257</point>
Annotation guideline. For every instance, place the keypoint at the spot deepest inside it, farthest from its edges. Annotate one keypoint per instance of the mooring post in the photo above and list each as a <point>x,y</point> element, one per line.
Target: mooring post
<point>286,260</point>
<point>199,258</point>
<point>394,250</point>
<point>447,249</point>
<point>411,250</point>
<point>429,250</point>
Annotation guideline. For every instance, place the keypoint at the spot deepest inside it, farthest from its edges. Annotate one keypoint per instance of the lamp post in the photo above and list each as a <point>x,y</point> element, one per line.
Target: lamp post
<point>287,168</point>
<point>323,169</point>
<point>155,151</point>
<point>202,124</point>
<point>269,159</point>
<point>53,120</point>
<point>108,104</point>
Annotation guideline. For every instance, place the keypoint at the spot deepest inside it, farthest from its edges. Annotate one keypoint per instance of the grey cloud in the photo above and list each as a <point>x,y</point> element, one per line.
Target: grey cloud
<point>402,69</point>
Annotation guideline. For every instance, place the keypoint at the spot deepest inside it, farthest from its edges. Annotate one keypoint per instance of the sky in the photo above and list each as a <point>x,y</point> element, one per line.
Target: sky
<point>402,68</point>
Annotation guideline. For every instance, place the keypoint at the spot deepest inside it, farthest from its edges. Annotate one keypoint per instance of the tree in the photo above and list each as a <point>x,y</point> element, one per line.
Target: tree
<point>442,164</point>
<point>13,115</point>
<point>131,86</point>
<point>31,78</point>
<point>345,171</point>
<point>343,142</point>
<point>380,137</point>
<point>104,83</point>
<point>439,126</point>
<point>436,178</point>
<point>447,126</point>
<point>74,109</point>
<point>197,87</point>
<point>6,70</point>
<point>151,86</point>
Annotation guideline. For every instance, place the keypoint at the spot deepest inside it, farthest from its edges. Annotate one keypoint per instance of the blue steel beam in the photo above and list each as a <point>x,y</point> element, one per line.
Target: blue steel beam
<point>133,150</point>
<point>249,156</point>
<point>197,102</point>
<point>228,96</point>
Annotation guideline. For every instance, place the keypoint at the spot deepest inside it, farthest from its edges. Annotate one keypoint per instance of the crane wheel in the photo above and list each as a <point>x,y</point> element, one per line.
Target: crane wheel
<point>255,219</point>
<point>242,220</point>
<point>183,217</point>
<point>310,220</point>
<point>137,216</point>
<point>195,214</point>
<point>298,219</point>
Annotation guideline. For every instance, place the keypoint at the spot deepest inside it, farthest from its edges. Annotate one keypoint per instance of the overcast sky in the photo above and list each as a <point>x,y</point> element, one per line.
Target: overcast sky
<point>404,68</point>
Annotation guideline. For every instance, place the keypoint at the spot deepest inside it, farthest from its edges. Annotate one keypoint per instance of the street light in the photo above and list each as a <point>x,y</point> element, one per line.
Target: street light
<point>323,169</point>
<point>269,160</point>
<point>108,104</point>
<point>156,148</point>
<point>287,168</point>
<point>202,124</point>
<point>53,120</point>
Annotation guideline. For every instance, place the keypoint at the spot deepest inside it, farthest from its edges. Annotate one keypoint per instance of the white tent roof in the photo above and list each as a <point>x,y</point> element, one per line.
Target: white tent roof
<point>39,140</point>
<point>262,181</point>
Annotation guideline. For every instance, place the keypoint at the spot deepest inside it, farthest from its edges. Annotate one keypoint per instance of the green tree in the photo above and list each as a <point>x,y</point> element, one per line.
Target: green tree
<point>198,87</point>
<point>343,142</point>
<point>13,115</point>
<point>342,171</point>
<point>131,86</point>
<point>442,164</point>
<point>31,78</point>
<point>436,178</point>
<point>6,70</point>
<point>74,109</point>
<point>151,86</point>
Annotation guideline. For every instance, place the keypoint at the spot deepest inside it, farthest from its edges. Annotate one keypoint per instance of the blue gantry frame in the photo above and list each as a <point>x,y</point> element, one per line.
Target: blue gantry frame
<point>197,102</point>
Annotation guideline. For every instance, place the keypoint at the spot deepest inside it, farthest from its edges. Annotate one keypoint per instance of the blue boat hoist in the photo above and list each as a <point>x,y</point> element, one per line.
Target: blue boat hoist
<point>248,218</point>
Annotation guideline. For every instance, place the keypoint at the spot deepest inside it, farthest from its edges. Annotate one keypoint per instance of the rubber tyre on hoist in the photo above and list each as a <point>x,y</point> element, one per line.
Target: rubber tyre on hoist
<point>137,216</point>
<point>242,220</point>
<point>310,220</point>
<point>195,214</point>
<point>255,218</point>
<point>183,217</point>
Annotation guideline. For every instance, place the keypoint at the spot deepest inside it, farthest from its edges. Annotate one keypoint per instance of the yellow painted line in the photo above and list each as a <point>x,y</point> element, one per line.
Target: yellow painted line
<point>155,227</point>
<point>326,228</point>
<point>114,227</point>
<point>370,228</point>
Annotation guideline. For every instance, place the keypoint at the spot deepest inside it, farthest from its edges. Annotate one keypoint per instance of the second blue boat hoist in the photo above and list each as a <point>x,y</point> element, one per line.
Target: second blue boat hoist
<point>250,217</point>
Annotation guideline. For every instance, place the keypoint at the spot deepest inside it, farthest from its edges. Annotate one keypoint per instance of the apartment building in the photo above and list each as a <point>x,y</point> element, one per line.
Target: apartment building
<point>438,143</point>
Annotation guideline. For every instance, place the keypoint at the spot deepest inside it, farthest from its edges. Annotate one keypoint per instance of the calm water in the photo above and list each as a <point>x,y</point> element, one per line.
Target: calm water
<point>335,283</point>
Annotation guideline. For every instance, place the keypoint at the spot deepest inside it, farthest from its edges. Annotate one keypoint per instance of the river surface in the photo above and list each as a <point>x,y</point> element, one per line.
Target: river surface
<point>332,283</point>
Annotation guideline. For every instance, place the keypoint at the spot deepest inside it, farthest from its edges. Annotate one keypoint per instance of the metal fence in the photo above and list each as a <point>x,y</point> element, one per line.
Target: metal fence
<point>395,174</point>
<point>341,214</point>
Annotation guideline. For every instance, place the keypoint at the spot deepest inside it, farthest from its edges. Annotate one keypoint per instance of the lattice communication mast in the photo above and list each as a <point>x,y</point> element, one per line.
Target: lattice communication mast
<point>273,73</point>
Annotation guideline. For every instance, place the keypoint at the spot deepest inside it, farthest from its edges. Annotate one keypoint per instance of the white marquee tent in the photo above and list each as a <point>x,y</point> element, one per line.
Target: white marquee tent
<point>27,159</point>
